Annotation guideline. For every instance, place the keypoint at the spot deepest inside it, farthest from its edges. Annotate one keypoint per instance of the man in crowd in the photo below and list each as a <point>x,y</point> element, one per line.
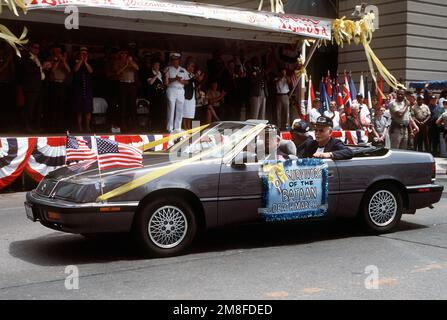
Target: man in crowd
<point>282,86</point>
<point>300,136</point>
<point>324,146</point>
<point>258,89</point>
<point>333,114</point>
<point>176,77</point>
<point>433,130</point>
<point>400,121</point>
<point>442,120</point>
<point>125,69</point>
<point>32,76</point>
<point>314,114</point>
<point>380,127</point>
<point>353,121</point>
<point>422,116</point>
<point>59,74</point>
<point>365,113</point>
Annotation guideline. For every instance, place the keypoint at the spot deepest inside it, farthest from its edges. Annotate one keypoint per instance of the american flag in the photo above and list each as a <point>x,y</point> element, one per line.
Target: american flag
<point>112,154</point>
<point>78,149</point>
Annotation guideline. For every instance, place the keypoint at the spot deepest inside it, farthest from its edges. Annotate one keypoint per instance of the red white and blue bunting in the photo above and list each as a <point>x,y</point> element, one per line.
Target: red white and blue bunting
<point>38,156</point>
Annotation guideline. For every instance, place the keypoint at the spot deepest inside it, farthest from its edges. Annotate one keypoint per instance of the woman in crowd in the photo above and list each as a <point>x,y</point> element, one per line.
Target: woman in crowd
<point>189,108</point>
<point>214,98</point>
<point>83,90</point>
<point>156,96</point>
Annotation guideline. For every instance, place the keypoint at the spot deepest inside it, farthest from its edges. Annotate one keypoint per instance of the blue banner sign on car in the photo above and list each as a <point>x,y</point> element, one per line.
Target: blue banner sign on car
<point>294,189</point>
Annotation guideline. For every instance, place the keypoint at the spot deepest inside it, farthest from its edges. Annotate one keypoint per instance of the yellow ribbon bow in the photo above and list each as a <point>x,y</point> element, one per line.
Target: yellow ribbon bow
<point>274,171</point>
<point>361,33</point>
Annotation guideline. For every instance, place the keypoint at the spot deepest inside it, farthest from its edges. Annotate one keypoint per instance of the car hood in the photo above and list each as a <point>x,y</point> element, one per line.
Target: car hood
<point>85,170</point>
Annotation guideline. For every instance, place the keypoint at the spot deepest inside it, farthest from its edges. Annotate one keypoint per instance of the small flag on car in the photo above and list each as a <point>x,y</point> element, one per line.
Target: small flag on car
<point>78,149</point>
<point>112,154</point>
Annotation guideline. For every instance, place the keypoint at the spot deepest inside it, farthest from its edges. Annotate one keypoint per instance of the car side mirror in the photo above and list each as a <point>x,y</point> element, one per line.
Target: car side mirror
<point>243,158</point>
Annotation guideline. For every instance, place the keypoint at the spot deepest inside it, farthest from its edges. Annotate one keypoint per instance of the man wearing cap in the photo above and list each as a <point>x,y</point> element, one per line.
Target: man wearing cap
<point>125,68</point>
<point>422,115</point>
<point>175,79</point>
<point>324,146</point>
<point>300,136</point>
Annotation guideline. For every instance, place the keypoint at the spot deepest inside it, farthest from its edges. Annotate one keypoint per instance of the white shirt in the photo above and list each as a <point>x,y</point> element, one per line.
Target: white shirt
<point>320,150</point>
<point>441,103</point>
<point>335,119</point>
<point>174,72</point>
<point>282,86</point>
<point>313,115</point>
<point>365,115</point>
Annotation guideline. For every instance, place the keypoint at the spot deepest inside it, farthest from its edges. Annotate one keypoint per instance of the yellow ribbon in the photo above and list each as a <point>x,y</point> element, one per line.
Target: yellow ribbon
<point>13,41</point>
<point>361,32</point>
<point>5,33</point>
<point>301,71</point>
<point>274,171</point>
<point>170,168</point>
<point>155,143</point>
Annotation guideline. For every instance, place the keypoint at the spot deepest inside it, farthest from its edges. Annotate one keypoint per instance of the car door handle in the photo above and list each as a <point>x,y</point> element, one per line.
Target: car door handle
<point>330,173</point>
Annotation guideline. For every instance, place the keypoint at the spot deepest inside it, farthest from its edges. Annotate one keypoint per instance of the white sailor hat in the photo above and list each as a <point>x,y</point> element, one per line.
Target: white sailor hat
<point>175,55</point>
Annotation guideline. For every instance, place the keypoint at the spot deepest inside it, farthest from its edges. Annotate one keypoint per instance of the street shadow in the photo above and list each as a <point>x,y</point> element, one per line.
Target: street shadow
<point>285,233</point>
<point>58,248</point>
<point>65,249</point>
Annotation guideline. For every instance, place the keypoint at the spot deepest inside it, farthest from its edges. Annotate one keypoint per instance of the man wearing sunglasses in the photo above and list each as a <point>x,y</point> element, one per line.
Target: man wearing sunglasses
<point>324,146</point>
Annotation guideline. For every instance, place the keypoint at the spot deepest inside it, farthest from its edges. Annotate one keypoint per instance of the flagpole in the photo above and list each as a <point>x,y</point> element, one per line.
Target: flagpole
<point>68,135</point>
<point>99,166</point>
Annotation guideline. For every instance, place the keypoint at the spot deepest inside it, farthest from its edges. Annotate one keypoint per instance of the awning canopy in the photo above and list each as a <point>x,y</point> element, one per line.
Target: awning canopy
<point>432,85</point>
<point>184,18</point>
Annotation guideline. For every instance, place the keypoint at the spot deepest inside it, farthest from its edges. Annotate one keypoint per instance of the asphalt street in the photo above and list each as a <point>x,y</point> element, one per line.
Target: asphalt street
<point>323,260</point>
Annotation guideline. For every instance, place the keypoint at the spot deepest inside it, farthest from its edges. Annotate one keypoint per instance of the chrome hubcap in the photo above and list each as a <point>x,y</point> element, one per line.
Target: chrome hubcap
<point>382,208</point>
<point>167,227</point>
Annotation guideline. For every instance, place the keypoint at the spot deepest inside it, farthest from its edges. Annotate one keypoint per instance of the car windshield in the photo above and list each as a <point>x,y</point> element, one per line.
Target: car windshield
<point>212,142</point>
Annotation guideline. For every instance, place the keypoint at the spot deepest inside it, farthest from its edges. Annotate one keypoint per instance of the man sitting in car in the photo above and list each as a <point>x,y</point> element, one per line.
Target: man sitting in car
<point>324,146</point>
<point>300,136</point>
<point>276,147</point>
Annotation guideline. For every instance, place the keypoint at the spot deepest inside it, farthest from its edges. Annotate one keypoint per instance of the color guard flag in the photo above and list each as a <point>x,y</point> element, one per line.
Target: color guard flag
<point>310,96</point>
<point>78,149</point>
<point>112,154</point>
<point>352,88</point>
<point>325,99</point>
<point>347,101</point>
<point>362,87</point>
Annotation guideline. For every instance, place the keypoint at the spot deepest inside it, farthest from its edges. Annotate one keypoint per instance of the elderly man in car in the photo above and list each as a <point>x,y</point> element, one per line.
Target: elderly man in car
<point>324,146</point>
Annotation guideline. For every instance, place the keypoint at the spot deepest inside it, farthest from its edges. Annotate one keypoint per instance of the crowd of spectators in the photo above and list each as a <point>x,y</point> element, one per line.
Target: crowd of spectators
<point>405,120</point>
<point>52,89</point>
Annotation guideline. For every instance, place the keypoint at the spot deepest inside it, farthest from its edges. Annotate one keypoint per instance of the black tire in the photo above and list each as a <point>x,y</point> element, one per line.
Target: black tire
<point>148,244</point>
<point>373,206</point>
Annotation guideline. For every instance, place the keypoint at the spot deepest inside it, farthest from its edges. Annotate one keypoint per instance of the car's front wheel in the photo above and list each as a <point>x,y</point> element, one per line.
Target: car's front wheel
<point>165,227</point>
<point>382,208</point>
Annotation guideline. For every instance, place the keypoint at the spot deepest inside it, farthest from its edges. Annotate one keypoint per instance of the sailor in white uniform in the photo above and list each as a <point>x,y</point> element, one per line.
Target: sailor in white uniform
<point>175,79</point>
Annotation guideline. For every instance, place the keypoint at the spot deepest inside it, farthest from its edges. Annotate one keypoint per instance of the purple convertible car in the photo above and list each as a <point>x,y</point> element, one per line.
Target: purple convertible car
<point>212,179</point>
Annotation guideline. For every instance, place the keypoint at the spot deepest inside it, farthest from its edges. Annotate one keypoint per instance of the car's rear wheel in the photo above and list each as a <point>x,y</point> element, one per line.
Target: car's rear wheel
<point>382,208</point>
<point>165,227</point>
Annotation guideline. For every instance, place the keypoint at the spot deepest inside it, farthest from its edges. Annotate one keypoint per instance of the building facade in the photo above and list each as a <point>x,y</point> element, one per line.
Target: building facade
<point>411,40</point>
